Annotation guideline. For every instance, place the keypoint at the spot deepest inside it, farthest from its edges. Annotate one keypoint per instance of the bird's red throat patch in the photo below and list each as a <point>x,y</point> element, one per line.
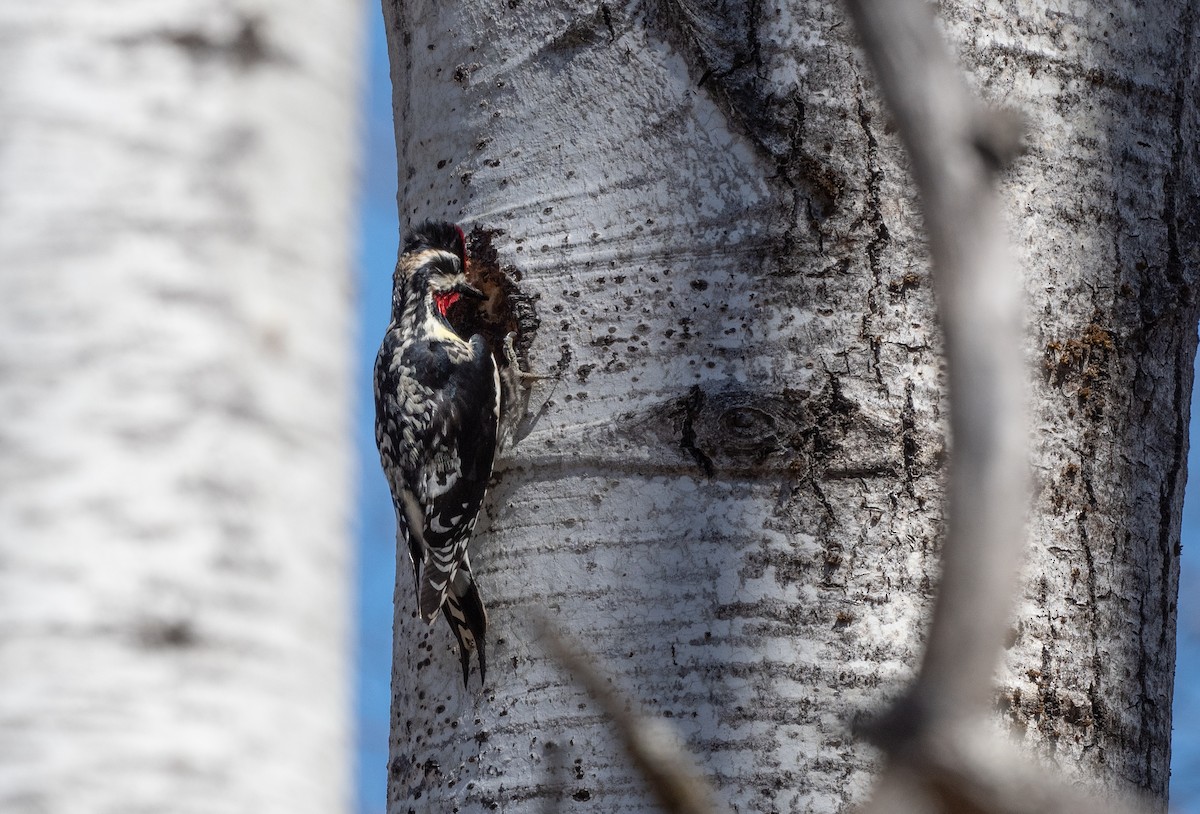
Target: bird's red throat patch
<point>445,301</point>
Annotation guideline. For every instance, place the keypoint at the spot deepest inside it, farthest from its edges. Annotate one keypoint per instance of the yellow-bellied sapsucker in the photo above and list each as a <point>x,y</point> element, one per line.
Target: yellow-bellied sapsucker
<point>437,404</point>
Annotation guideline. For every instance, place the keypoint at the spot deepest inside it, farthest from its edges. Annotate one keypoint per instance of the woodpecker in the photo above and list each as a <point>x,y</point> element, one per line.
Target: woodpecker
<point>437,406</point>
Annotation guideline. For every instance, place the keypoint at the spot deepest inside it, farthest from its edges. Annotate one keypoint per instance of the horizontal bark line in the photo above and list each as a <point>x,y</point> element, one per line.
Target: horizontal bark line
<point>540,468</point>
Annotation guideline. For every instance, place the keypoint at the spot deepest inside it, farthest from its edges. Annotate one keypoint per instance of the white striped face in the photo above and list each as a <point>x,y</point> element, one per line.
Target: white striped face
<point>445,288</point>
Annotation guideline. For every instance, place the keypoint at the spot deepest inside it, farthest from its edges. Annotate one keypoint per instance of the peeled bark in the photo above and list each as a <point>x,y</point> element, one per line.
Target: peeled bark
<point>733,494</point>
<point>174,187</point>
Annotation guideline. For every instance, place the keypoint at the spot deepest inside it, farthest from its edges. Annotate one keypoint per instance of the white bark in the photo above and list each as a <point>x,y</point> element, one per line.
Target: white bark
<point>1105,210</point>
<point>174,186</point>
<point>733,496</point>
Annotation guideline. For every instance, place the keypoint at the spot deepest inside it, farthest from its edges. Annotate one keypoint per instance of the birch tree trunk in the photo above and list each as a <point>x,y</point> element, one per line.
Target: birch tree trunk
<point>733,494</point>
<point>175,184</point>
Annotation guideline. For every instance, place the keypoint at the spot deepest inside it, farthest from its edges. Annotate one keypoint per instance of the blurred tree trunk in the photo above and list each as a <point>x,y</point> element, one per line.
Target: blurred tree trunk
<point>175,185</point>
<point>734,494</point>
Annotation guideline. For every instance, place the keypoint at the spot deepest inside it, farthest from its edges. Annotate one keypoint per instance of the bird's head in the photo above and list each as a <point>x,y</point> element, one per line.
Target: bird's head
<point>447,284</point>
<point>447,237</point>
<point>434,261</point>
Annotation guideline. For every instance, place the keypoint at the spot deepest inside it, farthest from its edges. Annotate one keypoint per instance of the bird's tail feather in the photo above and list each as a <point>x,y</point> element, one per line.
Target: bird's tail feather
<point>440,568</point>
<point>468,621</point>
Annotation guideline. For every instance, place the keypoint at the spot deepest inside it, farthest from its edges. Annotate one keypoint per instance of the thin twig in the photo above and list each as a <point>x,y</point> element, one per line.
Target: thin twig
<point>954,147</point>
<point>657,753</point>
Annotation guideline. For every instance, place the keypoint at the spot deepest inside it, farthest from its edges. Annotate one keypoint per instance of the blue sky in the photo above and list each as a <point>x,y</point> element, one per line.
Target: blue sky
<point>1185,755</point>
<point>378,234</point>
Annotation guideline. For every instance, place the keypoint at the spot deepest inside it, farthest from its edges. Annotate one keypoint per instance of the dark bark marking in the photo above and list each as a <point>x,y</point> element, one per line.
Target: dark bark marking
<point>584,32</point>
<point>1167,544</point>
<point>247,48</point>
<point>1085,362</point>
<point>1095,686</point>
<point>908,424</point>
<point>692,405</point>
<point>164,634</point>
<point>880,237</point>
<point>721,44</point>
<point>1175,273</point>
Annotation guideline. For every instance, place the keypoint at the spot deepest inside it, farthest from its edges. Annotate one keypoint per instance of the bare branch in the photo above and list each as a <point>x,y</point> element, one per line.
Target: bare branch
<point>969,767</point>
<point>943,755</point>
<point>955,147</point>
<point>654,748</point>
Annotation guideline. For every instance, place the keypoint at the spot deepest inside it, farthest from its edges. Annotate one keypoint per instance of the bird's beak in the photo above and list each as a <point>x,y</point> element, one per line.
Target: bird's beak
<point>468,290</point>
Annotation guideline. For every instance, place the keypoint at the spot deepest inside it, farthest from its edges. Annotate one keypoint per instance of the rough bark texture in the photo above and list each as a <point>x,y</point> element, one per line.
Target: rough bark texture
<point>733,495</point>
<point>1106,212</point>
<point>175,183</point>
